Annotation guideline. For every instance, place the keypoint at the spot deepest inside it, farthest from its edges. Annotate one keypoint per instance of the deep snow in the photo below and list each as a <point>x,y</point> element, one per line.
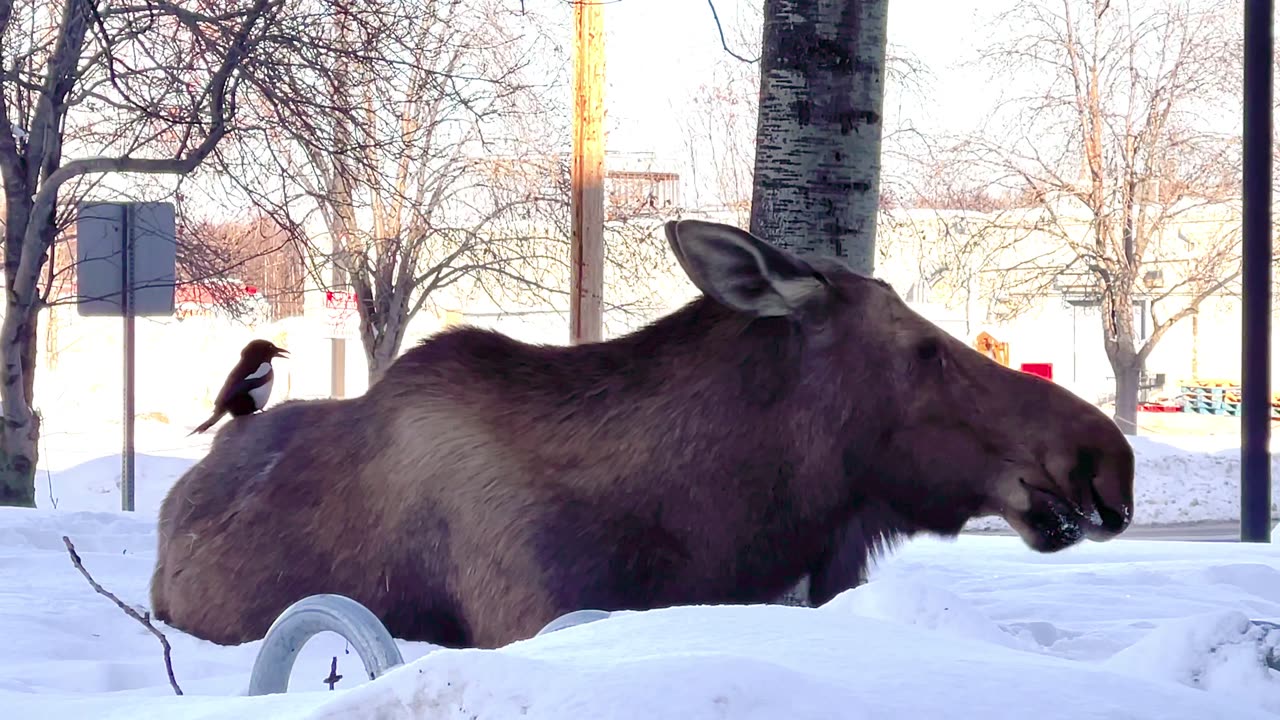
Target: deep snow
<point>980,627</point>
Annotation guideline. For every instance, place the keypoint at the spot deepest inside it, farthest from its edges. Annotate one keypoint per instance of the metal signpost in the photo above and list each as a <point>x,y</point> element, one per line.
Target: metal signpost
<point>1255,381</point>
<point>126,262</point>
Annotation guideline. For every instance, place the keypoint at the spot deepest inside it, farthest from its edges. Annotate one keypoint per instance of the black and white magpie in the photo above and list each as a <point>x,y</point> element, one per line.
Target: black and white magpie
<point>248,386</point>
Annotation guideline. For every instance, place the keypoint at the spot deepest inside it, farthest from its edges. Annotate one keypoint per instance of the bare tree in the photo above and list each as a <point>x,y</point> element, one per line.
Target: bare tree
<point>458,185</point>
<point>255,253</point>
<point>637,203</point>
<point>93,90</point>
<point>969,243</point>
<point>959,258</point>
<point>719,136</point>
<point>719,120</point>
<point>1111,128</point>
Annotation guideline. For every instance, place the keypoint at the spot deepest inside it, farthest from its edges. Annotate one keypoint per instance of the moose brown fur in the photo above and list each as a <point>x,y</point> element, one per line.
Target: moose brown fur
<point>794,420</point>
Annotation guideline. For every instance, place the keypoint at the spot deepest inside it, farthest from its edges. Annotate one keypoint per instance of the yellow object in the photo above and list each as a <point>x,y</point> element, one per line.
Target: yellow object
<point>992,348</point>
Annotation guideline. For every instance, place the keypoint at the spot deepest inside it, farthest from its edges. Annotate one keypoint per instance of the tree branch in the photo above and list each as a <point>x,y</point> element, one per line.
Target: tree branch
<point>145,622</point>
<point>725,43</point>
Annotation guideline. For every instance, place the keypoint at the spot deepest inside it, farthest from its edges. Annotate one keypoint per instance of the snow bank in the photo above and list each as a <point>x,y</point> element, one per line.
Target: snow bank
<point>761,662</point>
<point>725,662</point>
<point>1194,480</point>
<point>95,484</point>
<point>1220,652</point>
<point>979,627</point>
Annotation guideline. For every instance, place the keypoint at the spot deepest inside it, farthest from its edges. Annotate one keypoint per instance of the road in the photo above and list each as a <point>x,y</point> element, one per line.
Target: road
<point>1210,531</point>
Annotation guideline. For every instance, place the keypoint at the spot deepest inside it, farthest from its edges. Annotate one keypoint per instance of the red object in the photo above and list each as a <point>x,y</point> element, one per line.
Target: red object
<point>200,293</point>
<point>1044,370</point>
<point>338,300</point>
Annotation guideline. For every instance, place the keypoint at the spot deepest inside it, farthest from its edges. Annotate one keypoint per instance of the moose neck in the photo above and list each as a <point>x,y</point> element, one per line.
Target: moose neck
<point>703,372</point>
<point>705,352</point>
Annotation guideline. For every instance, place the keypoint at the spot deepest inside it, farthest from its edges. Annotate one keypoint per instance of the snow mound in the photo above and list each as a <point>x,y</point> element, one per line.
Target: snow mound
<point>1223,653</point>
<point>909,602</point>
<point>95,484</point>
<point>760,662</point>
<point>1257,579</point>
<point>1196,480</point>
<point>468,684</point>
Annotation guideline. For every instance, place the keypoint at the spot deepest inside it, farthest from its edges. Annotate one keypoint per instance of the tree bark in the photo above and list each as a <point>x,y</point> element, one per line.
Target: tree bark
<point>816,187</point>
<point>20,431</point>
<point>817,169</point>
<point>1120,341</point>
<point>380,351</point>
<point>20,439</point>
<point>1127,376</point>
<point>383,322</point>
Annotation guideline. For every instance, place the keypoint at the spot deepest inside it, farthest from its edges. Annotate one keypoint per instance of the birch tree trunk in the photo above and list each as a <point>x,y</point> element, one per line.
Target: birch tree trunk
<point>817,169</point>
<point>19,441</point>
<point>32,178</point>
<point>816,187</point>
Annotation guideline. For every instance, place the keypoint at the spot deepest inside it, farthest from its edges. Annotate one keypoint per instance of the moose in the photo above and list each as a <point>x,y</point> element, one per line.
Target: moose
<point>796,418</point>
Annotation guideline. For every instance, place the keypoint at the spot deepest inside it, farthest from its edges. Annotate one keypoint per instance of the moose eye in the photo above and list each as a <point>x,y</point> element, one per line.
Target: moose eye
<point>927,350</point>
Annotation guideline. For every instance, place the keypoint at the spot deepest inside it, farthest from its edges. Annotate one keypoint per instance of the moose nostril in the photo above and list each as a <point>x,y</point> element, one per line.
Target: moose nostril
<point>1085,474</point>
<point>1113,521</point>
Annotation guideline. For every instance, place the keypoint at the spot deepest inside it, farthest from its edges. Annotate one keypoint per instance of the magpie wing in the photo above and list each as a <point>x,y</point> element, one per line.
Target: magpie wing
<point>240,385</point>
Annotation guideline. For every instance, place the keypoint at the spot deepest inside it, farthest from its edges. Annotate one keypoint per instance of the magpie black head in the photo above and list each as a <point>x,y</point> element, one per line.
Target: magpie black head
<point>262,351</point>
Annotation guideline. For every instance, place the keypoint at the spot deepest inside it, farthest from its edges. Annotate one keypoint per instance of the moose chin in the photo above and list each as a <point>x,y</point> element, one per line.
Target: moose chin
<point>795,419</point>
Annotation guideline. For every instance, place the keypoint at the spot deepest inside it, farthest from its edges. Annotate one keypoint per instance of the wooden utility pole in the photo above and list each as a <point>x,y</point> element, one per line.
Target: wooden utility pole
<point>339,282</point>
<point>338,347</point>
<point>586,297</point>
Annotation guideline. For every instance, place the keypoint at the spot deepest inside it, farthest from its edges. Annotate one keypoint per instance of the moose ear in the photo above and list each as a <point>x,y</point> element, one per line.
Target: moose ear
<point>741,271</point>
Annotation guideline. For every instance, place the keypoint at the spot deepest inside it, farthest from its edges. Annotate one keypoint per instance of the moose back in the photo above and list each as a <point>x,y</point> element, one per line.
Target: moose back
<point>795,419</point>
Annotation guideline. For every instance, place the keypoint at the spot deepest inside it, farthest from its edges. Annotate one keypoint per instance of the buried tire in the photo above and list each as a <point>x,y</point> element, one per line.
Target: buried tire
<point>357,625</point>
<point>309,617</point>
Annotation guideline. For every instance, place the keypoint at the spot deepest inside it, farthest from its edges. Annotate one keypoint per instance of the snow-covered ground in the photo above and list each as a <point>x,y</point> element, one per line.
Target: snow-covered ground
<point>976,628</point>
<point>980,627</point>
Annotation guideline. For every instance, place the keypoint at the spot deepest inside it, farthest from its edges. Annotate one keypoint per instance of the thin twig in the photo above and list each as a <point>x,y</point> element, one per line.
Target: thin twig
<point>48,474</point>
<point>334,677</point>
<point>725,43</point>
<point>164,642</point>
